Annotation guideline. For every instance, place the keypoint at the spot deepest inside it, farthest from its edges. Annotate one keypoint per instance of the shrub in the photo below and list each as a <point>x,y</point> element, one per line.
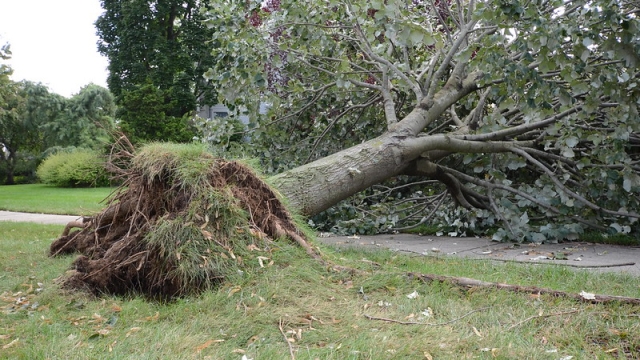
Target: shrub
<point>74,168</point>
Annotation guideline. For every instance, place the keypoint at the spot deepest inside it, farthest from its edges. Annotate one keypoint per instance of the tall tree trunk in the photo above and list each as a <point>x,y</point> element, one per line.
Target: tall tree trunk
<point>11,166</point>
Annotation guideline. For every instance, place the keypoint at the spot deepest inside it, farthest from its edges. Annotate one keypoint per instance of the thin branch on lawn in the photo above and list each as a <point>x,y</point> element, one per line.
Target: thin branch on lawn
<point>542,316</point>
<point>427,324</point>
<point>474,283</point>
<point>293,357</point>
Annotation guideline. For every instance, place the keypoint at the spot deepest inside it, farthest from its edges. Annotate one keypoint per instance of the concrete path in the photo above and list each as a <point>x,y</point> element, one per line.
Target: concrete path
<point>37,218</point>
<point>577,255</point>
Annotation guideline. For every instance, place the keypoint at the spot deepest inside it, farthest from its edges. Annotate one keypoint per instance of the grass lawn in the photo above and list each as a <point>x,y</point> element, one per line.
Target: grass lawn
<point>40,198</point>
<point>296,306</point>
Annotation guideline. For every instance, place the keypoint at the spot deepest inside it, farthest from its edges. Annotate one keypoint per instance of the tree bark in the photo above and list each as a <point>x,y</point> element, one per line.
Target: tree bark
<point>316,186</point>
<point>11,166</point>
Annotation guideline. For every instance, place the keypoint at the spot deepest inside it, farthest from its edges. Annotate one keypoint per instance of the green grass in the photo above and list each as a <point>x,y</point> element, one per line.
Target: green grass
<point>40,198</point>
<point>322,312</point>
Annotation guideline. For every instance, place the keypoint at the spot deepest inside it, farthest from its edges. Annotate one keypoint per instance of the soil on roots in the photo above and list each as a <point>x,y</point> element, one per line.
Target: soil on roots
<point>181,223</point>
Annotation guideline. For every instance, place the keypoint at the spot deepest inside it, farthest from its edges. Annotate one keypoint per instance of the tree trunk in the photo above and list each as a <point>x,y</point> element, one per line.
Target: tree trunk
<point>316,186</point>
<point>11,166</point>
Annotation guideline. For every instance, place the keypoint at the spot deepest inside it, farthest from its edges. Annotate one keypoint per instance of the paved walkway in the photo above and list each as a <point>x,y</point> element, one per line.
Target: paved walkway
<point>578,255</point>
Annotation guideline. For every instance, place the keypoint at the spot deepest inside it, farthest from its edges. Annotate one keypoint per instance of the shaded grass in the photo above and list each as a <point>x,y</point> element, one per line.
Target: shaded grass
<point>41,198</point>
<point>322,311</point>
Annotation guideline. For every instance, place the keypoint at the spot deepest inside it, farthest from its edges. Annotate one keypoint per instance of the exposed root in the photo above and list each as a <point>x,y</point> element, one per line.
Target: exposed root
<point>181,223</point>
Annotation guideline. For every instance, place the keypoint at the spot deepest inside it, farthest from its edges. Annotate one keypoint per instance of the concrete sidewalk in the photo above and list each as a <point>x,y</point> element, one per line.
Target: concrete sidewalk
<point>37,218</point>
<point>578,255</point>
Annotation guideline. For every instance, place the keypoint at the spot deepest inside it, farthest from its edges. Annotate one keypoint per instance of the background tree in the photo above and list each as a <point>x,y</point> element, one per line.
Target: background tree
<point>35,122</point>
<point>157,53</point>
<point>525,112</point>
<point>86,120</point>
<point>25,107</point>
<point>11,105</point>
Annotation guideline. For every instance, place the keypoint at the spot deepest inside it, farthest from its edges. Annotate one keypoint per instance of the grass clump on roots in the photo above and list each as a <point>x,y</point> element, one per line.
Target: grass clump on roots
<point>182,222</point>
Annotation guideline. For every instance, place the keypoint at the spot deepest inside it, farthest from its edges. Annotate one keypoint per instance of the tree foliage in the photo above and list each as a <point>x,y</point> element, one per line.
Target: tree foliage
<point>524,112</point>
<point>34,120</point>
<point>157,54</point>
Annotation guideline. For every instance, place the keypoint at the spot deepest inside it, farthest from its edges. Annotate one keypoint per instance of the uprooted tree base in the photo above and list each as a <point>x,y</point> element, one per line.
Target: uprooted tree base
<point>181,223</point>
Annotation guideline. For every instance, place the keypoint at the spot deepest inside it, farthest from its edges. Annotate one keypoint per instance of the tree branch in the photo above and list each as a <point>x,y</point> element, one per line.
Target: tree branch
<point>568,191</point>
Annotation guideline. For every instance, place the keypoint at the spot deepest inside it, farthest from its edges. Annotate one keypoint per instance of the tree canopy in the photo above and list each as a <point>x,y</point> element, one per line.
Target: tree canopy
<point>157,53</point>
<point>525,111</point>
<point>34,120</point>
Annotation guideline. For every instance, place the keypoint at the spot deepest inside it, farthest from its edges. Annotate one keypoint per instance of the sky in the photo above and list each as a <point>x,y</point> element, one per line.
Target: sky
<point>53,42</point>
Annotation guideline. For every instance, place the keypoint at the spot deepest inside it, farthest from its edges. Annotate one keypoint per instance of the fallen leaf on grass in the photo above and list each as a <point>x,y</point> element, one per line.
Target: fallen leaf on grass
<point>475,331</point>
<point>413,295</point>
<point>132,330</point>
<point>261,260</point>
<point>150,318</point>
<point>207,344</point>
<point>252,247</point>
<point>97,318</point>
<point>296,332</point>
<point>234,290</point>
<point>428,356</point>
<point>12,343</point>
<point>428,312</point>
<point>587,296</point>
<point>100,333</point>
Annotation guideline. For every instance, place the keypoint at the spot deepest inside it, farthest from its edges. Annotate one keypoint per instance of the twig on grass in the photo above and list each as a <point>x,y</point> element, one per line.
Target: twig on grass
<point>474,283</point>
<point>427,324</point>
<point>293,357</point>
<point>542,316</point>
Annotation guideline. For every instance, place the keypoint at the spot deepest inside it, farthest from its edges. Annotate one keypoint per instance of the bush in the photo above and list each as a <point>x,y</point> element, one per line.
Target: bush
<point>74,168</point>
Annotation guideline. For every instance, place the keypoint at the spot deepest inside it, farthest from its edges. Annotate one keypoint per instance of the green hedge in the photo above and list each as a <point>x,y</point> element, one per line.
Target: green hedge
<point>75,168</point>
